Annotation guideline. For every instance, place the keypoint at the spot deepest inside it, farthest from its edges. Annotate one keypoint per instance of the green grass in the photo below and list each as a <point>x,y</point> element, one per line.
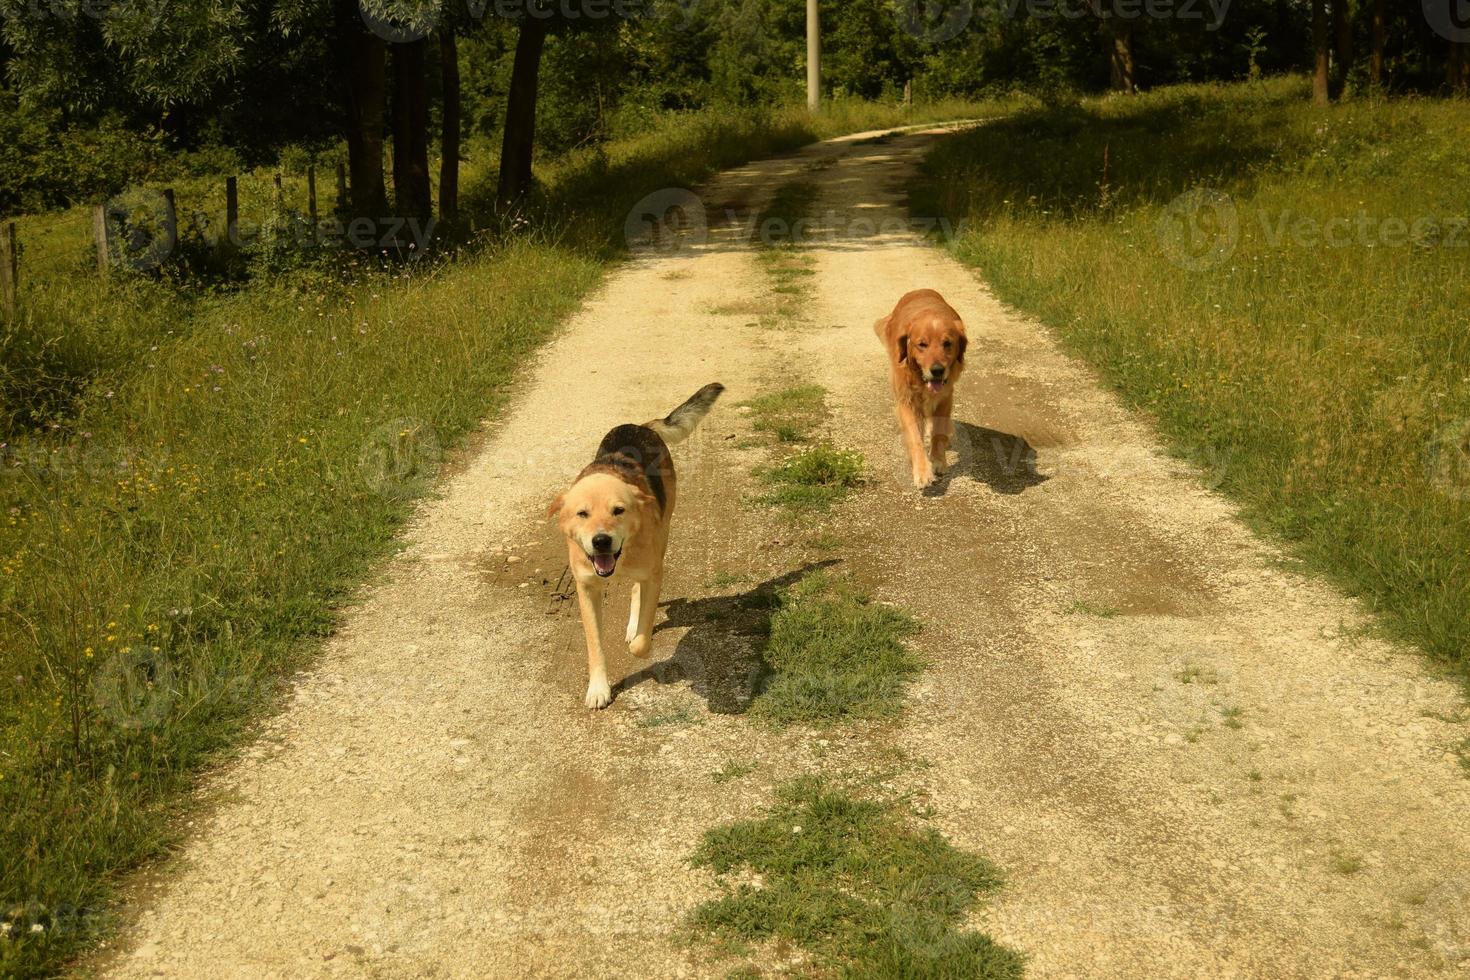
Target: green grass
<point>834,655</point>
<point>853,881</point>
<point>790,415</point>
<point>1328,386</point>
<point>1081,608</point>
<point>812,480</point>
<point>732,771</point>
<point>196,479</point>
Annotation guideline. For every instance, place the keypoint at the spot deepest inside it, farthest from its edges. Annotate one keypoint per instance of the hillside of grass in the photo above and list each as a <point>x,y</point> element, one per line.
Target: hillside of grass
<point>1283,287</point>
<point>198,471</point>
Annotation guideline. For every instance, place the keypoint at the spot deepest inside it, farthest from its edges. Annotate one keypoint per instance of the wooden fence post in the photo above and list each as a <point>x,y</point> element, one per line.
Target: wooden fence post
<point>280,195</point>
<point>341,188</point>
<point>232,210</point>
<point>99,232</point>
<point>311,194</point>
<point>9,267</point>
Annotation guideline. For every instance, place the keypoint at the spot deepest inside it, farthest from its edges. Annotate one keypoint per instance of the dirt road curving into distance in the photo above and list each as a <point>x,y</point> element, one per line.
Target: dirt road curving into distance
<point>1189,760</point>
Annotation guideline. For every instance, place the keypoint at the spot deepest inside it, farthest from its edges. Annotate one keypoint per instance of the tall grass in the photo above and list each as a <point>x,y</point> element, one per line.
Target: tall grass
<point>1328,379</point>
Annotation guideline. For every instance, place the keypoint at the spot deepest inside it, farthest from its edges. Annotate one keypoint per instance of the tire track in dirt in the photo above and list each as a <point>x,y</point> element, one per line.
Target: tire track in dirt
<point>436,802</point>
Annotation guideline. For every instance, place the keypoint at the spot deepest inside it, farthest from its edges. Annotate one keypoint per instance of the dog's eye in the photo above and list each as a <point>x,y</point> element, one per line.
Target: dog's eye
<point>618,510</point>
<point>948,344</point>
<point>924,345</point>
<point>583,514</point>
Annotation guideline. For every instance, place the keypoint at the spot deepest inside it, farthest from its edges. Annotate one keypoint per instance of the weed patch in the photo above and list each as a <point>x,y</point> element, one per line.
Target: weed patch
<point>855,883</point>
<point>834,655</point>
<point>812,480</point>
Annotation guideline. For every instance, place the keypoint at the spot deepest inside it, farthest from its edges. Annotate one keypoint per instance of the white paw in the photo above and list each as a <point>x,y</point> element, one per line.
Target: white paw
<point>599,694</point>
<point>923,478</point>
<point>639,646</point>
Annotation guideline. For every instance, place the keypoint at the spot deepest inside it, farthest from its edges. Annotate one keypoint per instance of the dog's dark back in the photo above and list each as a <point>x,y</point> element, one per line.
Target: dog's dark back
<point>639,453</point>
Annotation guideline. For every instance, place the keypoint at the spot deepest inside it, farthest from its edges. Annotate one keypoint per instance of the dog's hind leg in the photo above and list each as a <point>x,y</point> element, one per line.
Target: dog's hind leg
<point>633,612</point>
<point>589,598</point>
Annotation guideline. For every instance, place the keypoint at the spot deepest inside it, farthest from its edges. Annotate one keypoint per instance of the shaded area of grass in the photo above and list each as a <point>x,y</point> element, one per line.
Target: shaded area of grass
<point>1298,332</point>
<point>834,655</point>
<point>854,882</point>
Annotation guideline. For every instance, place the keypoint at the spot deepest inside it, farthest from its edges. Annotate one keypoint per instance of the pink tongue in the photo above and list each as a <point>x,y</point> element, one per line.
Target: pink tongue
<point>936,386</point>
<point>604,563</point>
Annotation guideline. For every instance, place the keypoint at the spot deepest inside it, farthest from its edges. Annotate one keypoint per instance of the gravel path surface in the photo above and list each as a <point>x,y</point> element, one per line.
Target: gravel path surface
<point>1189,760</point>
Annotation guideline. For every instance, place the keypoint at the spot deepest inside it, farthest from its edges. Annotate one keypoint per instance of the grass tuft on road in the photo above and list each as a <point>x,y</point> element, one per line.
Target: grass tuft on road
<point>855,883</point>
<point>834,655</point>
<point>813,480</point>
<point>1283,286</point>
<point>790,414</point>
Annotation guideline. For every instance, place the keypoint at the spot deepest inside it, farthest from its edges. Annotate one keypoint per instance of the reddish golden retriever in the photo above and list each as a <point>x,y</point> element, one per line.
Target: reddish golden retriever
<point>925,339</point>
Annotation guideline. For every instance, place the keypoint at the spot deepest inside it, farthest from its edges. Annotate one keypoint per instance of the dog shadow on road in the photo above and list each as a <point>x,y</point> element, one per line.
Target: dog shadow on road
<point>721,654</point>
<point>1004,462</point>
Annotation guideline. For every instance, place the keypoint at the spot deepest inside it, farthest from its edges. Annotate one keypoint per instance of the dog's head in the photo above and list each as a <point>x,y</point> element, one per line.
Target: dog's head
<point>599,514</point>
<point>933,350</point>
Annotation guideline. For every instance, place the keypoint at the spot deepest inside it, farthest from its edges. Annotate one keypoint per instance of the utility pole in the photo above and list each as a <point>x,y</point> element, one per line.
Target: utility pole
<point>813,57</point>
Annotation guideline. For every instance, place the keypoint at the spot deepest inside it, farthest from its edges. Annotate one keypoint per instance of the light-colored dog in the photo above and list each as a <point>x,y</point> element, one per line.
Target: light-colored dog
<point>616,521</point>
<point>925,340</point>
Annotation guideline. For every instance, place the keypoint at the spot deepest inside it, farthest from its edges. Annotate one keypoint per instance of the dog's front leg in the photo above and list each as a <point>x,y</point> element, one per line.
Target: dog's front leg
<point>913,444</point>
<point>942,427</point>
<point>642,642</point>
<point>589,598</point>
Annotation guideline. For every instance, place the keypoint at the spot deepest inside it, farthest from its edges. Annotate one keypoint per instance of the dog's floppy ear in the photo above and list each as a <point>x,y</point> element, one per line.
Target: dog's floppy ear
<point>903,348</point>
<point>556,505</point>
<point>963,343</point>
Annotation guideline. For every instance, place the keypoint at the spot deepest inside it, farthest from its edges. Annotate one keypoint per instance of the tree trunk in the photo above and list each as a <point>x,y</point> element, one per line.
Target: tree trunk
<point>449,133</point>
<point>1342,55</point>
<point>1321,53</point>
<point>1458,74</point>
<point>1120,56</point>
<point>516,150</point>
<point>411,191</point>
<point>1380,33</point>
<point>362,61</point>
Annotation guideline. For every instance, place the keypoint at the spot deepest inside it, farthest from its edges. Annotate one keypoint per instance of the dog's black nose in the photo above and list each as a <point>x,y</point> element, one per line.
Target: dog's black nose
<point>602,542</point>
<point>937,371</point>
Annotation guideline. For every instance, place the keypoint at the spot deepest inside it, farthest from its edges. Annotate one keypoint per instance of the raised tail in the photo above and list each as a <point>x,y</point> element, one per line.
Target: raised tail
<point>678,424</point>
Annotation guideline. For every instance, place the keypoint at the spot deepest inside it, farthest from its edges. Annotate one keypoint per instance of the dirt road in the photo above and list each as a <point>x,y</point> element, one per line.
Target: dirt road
<point>1188,760</point>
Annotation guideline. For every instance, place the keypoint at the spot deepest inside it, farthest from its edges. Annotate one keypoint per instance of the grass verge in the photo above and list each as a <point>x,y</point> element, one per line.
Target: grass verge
<point>1282,286</point>
<point>834,655</point>
<point>855,883</point>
